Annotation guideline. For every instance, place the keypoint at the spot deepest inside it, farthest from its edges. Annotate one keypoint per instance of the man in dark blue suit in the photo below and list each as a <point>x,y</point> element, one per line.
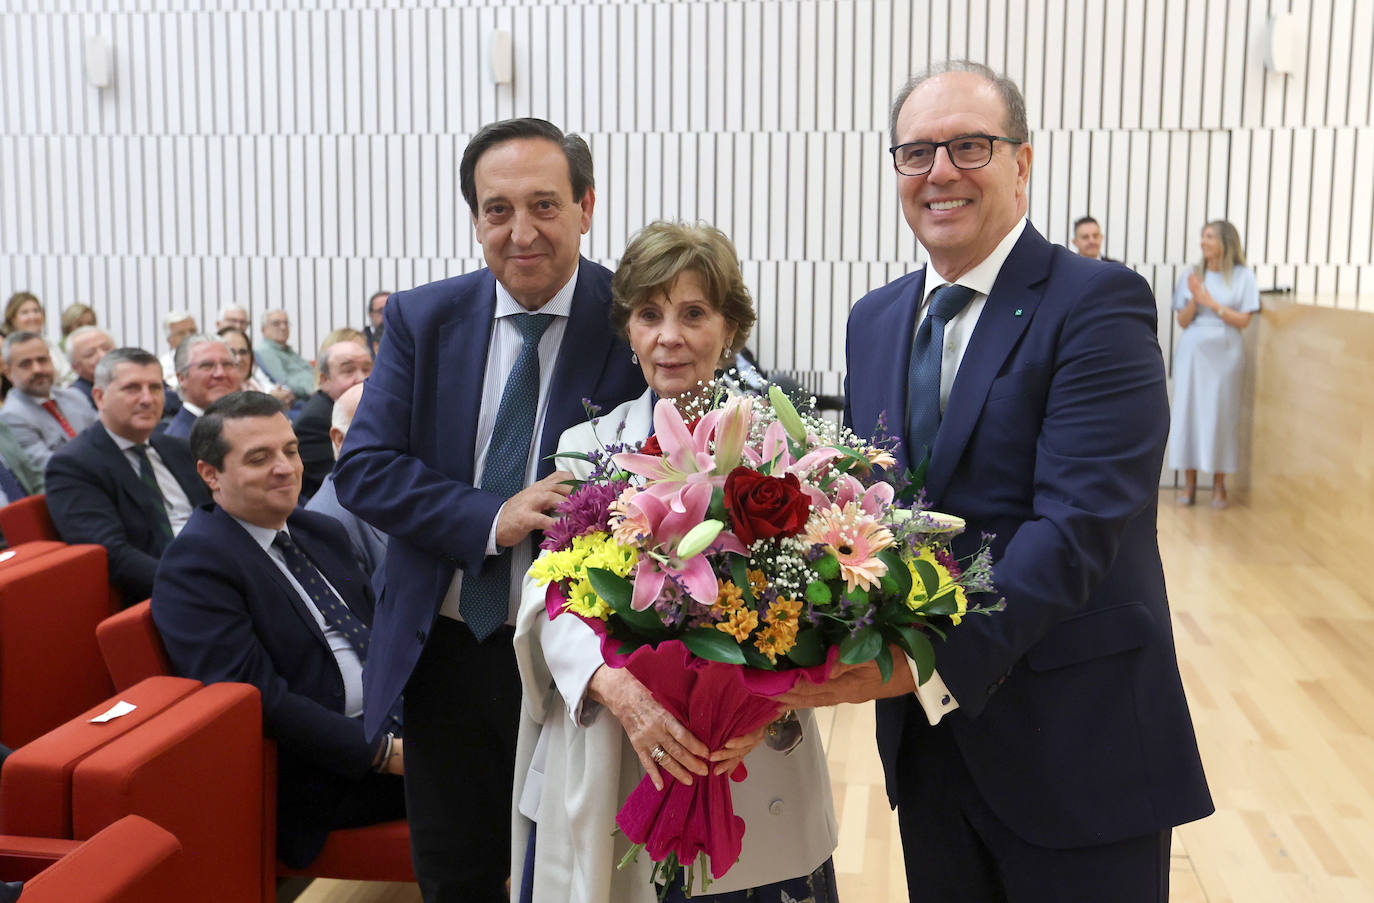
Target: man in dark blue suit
<point>1051,753</point>
<point>449,455</point>
<point>118,483</point>
<point>254,590</point>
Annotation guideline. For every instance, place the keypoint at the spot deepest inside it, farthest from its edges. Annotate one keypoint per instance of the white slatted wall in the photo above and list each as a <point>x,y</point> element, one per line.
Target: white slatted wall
<point>308,156</point>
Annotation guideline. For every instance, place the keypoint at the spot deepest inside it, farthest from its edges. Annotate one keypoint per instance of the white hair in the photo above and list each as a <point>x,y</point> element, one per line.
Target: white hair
<point>173,317</point>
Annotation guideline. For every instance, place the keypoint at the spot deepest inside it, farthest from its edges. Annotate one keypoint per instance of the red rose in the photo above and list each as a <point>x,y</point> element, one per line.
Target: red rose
<point>762,507</point>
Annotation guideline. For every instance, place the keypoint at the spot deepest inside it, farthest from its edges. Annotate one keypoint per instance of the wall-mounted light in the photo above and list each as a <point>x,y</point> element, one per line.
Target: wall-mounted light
<point>502,57</point>
<point>99,61</point>
<point>1283,44</point>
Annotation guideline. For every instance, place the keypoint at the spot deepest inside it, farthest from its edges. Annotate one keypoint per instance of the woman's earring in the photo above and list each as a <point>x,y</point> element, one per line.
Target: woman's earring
<point>634,358</point>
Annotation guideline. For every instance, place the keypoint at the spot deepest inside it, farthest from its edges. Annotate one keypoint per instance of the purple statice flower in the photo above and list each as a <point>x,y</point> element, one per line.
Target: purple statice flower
<point>586,510</point>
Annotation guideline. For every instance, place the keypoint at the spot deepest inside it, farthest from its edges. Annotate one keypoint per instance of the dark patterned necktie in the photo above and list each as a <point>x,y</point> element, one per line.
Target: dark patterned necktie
<point>923,379</point>
<point>337,614</point>
<point>485,598</point>
<point>145,473</point>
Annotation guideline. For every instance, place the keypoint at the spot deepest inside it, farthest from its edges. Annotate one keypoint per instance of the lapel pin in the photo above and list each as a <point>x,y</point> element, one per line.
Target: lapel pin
<point>1018,312</point>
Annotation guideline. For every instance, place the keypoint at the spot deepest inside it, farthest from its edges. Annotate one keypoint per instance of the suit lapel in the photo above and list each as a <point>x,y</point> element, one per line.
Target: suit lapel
<point>249,548</point>
<point>582,355</point>
<point>1006,315</point>
<point>125,477</point>
<point>464,341</point>
<point>172,455</point>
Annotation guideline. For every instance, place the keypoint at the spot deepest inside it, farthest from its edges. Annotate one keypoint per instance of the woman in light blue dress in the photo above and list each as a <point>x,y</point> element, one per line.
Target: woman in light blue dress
<point>1214,303</point>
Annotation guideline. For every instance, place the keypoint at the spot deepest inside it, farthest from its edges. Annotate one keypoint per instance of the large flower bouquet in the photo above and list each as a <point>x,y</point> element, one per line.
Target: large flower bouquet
<point>741,548</point>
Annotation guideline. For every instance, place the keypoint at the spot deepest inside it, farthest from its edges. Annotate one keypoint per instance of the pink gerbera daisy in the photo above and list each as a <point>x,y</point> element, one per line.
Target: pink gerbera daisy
<point>854,538</point>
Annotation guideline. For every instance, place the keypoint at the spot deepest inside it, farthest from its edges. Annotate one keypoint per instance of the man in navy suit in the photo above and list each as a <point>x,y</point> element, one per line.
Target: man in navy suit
<point>254,590</point>
<point>421,458</point>
<point>1052,751</point>
<point>206,372</point>
<point>120,485</point>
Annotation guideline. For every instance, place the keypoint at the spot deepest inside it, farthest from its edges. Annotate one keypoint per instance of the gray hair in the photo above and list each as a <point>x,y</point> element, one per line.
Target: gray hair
<point>340,419</point>
<point>175,316</point>
<point>86,330</point>
<point>181,360</point>
<point>15,338</point>
<point>104,371</point>
<point>1015,125</point>
<point>228,307</point>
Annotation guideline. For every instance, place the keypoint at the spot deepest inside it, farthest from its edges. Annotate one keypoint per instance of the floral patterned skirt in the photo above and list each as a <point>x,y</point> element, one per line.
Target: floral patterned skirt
<point>817,887</point>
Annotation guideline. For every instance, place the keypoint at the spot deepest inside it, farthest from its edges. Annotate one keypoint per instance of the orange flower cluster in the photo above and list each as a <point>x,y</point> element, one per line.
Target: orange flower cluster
<point>779,634</point>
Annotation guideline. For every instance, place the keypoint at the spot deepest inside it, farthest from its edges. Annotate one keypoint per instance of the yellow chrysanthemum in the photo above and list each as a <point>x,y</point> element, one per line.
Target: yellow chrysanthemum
<point>729,597</point>
<point>757,582</point>
<point>776,639</point>
<point>583,600</point>
<point>740,623</point>
<point>611,556</point>
<point>917,598</point>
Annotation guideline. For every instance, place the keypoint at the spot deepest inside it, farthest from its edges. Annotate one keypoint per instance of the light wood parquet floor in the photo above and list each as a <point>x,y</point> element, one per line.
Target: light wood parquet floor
<point>1274,620</point>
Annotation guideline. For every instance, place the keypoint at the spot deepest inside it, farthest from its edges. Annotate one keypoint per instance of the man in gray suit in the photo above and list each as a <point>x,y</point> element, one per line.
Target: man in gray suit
<point>369,543</point>
<point>42,416</point>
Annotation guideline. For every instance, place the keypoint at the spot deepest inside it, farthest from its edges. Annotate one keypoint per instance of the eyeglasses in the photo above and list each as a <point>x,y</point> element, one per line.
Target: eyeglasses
<point>967,152</point>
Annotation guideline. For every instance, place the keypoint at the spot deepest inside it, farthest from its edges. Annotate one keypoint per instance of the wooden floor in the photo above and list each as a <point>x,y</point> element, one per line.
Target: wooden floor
<point>1273,611</point>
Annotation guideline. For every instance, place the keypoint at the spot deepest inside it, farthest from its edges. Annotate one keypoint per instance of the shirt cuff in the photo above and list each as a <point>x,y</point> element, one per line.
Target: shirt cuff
<point>491,537</point>
<point>934,697</point>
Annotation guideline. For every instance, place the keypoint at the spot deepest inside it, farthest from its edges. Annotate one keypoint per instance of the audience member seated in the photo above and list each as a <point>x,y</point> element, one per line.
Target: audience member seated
<point>232,316</point>
<point>177,325</point>
<point>206,372</point>
<point>120,485</point>
<point>344,362</point>
<point>42,416</point>
<point>24,313</point>
<point>279,361</point>
<point>256,590</point>
<point>369,543</point>
<point>19,478</point>
<point>251,377</point>
<point>376,325</point>
<point>86,345</point>
<point>75,316</point>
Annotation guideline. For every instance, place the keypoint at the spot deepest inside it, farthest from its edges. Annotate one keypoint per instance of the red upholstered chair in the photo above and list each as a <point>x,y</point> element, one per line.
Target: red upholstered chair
<point>131,646</point>
<point>52,596</point>
<point>133,650</point>
<point>36,782</point>
<point>27,520</point>
<point>131,861</point>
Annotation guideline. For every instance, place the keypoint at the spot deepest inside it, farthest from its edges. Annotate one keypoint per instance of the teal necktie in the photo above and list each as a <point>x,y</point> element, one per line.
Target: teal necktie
<point>485,597</point>
<point>145,473</point>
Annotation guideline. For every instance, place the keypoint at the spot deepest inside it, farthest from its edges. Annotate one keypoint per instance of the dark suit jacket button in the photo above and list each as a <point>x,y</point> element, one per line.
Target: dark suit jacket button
<point>420,635</point>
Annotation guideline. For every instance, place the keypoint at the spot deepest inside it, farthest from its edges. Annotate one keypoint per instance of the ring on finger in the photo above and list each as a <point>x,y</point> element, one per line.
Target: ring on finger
<point>657,753</point>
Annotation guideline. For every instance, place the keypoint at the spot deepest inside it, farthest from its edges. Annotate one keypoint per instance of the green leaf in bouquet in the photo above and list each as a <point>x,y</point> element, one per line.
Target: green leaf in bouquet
<point>884,659</point>
<point>713,645</point>
<point>947,603</point>
<point>827,567</point>
<point>894,612</point>
<point>930,580</point>
<point>756,659</point>
<point>574,455</point>
<point>849,460</point>
<point>809,650</point>
<point>717,507</point>
<point>739,575</point>
<point>818,593</point>
<point>861,647</point>
<point>897,570</point>
<point>858,595</point>
<point>917,645</point>
<point>618,593</point>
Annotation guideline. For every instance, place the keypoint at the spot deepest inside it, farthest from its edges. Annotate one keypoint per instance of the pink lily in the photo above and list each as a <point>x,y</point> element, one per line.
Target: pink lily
<point>667,527</point>
<point>686,459</point>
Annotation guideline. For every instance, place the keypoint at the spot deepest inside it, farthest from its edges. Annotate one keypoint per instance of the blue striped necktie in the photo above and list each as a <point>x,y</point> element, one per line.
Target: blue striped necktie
<point>923,379</point>
<point>484,598</point>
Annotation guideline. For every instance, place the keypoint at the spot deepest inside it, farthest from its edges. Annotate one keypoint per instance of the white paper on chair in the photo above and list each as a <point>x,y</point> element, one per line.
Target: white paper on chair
<point>118,710</point>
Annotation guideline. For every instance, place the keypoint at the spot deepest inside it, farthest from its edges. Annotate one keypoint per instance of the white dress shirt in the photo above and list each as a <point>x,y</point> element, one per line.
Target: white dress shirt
<point>505,346</point>
<point>350,666</point>
<point>933,695</point>
<point>174,498</point>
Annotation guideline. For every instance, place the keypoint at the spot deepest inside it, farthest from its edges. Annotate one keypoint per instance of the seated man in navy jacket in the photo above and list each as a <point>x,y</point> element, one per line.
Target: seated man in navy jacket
<point>254,590</point>
<point>119,483</point>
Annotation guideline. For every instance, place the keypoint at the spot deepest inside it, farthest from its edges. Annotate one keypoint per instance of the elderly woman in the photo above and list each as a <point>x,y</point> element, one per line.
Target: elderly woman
<point>589,732</point>
<point>24,312</point>
<point>1214,303</point>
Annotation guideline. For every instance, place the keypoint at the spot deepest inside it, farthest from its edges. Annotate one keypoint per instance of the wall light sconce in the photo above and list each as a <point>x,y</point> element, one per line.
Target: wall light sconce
<point>1283,44</point>
<point>502,54</point>
<point>99,61</point>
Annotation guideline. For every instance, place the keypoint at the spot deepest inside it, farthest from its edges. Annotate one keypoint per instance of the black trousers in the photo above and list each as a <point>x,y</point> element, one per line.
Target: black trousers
<point>956,849</point>
<point>462,713</point>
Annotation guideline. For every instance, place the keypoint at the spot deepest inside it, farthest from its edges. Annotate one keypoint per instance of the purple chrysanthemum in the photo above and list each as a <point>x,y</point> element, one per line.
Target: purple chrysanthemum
<point>586,510</point>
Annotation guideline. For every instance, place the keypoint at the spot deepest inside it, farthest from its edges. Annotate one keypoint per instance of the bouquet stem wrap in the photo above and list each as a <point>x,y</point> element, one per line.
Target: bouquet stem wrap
<point>716,702</point>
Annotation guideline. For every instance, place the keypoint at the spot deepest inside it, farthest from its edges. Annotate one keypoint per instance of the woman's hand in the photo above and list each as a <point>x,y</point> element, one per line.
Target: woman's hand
<point>649,726</point>
<point>1200,293</point>
<point>728,757</point>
